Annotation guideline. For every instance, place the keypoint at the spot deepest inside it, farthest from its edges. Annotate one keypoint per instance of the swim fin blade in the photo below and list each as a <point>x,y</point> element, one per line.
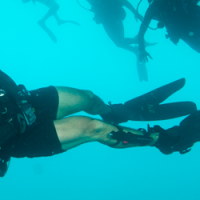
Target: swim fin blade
<point>142,72</point>
<point>148,108</point>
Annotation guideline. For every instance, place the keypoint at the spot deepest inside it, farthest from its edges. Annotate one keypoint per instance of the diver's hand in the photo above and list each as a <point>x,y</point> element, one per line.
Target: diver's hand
<point>144,56</point>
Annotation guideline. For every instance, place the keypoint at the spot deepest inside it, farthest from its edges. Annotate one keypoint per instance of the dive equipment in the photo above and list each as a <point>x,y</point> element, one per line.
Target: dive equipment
<point>179,138</point>
<point>4,164</point>
<point>130,138</point>
<point>148,107</point>
<point>17,115</point>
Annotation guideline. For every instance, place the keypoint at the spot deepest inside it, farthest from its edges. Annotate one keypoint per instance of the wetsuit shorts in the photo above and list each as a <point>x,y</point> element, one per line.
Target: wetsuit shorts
<point>42,139</point>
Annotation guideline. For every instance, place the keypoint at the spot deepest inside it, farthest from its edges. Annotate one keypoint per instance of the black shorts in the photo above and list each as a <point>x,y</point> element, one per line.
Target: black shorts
<point>42,139</point>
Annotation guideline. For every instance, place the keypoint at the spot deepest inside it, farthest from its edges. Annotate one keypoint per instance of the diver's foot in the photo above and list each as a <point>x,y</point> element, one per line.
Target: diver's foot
<point>179,138</point>
<point>118,114</point>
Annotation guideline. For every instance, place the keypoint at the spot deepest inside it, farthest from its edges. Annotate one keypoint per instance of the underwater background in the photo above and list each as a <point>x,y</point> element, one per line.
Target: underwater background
<point>86,58</point>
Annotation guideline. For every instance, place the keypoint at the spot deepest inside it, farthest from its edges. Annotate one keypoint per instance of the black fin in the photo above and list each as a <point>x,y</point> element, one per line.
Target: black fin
<point>179,138</point>
<point>147,108</point>
<point>142,72</point>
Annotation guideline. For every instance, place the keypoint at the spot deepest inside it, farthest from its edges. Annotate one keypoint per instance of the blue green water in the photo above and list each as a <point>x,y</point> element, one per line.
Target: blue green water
<point>86,58</point>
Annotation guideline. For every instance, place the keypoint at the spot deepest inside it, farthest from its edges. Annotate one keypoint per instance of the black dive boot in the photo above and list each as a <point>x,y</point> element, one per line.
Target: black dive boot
<point>148,107</point>
<point>179,138</point>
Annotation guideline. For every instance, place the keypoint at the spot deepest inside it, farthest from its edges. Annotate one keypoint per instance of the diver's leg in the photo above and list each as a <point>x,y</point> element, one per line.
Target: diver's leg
<point>73,100</point>
<point>51,12</point>
<point>115,31</point>
<point>74,131</point>
<point>59,21</point>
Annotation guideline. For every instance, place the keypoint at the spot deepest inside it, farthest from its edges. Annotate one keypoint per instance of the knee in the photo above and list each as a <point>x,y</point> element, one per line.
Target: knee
<point>90,95</point>
<point>95,129</point>
<point>90,98</point>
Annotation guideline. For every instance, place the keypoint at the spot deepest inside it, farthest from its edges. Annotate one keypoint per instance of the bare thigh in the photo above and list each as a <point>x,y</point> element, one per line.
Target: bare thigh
<point>72,100</point>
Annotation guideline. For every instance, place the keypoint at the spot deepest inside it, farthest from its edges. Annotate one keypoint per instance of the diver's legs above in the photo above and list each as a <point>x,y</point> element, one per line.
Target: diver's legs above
<point>74,131</point>
<point>59,21</point>
<point>52,12</point>
<point>73,100</point>
<point>115,31</point>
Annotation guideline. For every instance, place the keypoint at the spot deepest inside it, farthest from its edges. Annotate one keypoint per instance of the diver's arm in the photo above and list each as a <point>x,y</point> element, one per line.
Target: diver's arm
<point>143,28</point>
<point>133,10</point>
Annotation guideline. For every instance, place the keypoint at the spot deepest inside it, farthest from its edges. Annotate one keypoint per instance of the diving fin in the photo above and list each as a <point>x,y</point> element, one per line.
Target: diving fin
<point>179,138</point>
<point>147,107</point>
<point>142,72</point>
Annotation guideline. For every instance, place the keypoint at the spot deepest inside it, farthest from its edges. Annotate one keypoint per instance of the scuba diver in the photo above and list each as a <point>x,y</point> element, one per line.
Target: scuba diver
<point>53,9</point>
<point>181,19</point>
<point>34,124</point>
<point>110,13</point>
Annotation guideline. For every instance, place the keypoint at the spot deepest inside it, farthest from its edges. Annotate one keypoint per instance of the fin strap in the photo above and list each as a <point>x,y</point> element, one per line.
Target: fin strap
<point>130,138</point>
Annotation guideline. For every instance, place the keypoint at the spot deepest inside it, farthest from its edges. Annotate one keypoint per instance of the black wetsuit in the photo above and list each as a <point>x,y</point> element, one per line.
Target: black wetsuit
<point>41,139</point>
<point>180,17</point>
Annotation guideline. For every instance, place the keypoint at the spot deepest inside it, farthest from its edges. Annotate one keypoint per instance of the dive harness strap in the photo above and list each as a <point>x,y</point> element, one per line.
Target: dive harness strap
<point>130,138</point>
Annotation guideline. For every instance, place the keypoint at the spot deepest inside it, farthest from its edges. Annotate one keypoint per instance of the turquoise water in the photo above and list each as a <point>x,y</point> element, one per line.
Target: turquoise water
<point>86,58</point>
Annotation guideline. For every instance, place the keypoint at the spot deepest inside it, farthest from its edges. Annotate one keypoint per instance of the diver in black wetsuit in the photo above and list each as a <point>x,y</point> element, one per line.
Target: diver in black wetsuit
<point>181,19</point>
<point>110,14</point>
<point>38,123</point>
